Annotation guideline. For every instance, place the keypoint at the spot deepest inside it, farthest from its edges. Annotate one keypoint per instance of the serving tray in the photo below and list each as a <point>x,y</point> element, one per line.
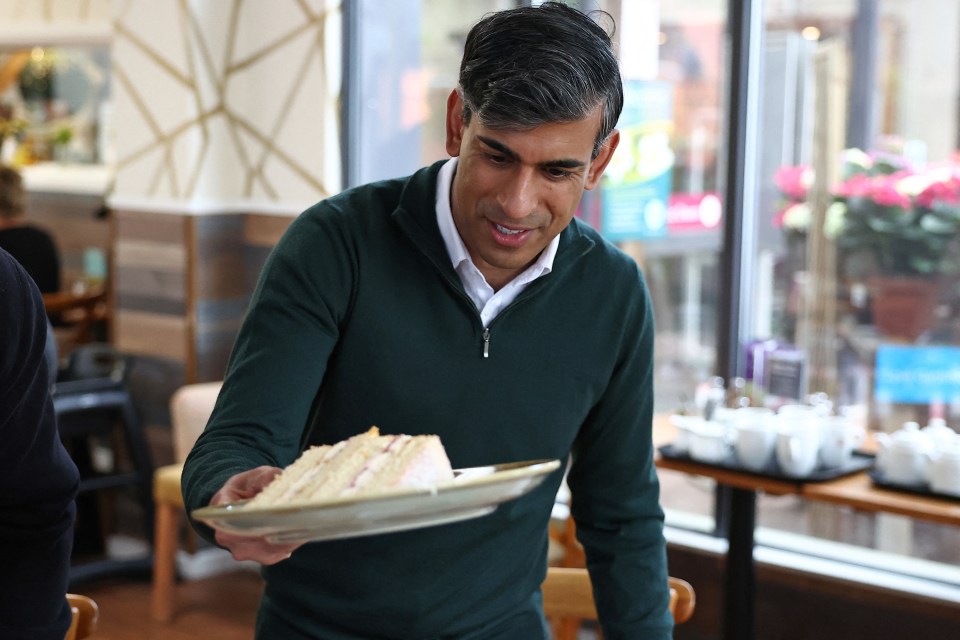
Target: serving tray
<point>860,461</point>
<point>920,489</point>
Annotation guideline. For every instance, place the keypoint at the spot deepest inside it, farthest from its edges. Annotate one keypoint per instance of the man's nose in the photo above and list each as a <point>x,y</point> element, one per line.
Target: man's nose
<point>518,195</point>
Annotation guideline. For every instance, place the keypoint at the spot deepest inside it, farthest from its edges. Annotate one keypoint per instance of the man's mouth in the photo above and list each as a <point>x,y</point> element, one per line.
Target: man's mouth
<point>507,231</point>
<point>507,237</point>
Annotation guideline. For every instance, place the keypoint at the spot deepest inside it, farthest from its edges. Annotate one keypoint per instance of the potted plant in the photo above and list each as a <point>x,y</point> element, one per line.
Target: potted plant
<point>896,226</point>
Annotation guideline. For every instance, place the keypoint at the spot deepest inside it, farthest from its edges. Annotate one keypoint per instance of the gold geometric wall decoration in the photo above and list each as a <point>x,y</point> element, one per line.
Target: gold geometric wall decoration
<point>222,102</point>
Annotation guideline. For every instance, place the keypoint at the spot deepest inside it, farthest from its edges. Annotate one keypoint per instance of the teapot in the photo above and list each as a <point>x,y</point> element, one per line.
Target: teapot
<point>938,433</point>
<point>902,457</point>
<point>943,467</point>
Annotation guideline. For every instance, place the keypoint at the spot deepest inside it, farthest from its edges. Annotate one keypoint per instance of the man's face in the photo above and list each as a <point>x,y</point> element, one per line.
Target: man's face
<point>514,191</point>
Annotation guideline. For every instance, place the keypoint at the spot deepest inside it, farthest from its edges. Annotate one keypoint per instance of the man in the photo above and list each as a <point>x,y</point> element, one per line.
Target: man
<point>38,481</point>
<point>463,301</point>
<point>32,247</point>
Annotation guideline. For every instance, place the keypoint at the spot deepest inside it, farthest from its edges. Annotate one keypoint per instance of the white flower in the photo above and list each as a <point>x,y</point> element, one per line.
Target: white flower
<point>833,220</point>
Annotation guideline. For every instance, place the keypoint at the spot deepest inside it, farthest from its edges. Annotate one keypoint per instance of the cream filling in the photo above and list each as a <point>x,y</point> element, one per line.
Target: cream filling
<point>308,478</point>
<point>375,463</point>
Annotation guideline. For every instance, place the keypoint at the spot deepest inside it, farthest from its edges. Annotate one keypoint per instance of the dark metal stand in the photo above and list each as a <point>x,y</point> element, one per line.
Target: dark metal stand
<point>740,588</point>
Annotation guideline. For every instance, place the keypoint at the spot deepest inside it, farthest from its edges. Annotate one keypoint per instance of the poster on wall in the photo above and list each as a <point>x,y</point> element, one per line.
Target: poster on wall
<point>637,182</point>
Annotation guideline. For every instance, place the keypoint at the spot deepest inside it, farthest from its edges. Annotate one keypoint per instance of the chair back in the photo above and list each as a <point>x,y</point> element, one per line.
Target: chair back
<point>190,409</point>
<point>567,593</point>
<point>85,616</point>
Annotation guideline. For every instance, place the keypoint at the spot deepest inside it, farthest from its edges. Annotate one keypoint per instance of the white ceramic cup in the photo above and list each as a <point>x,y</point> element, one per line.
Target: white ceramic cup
<point>709,442</point>
<point>839,436</point>
<point>684,425</point>
<point>756,435</point>
<point>754,447</point>
<point>797,447</point>
<point>798,411</point>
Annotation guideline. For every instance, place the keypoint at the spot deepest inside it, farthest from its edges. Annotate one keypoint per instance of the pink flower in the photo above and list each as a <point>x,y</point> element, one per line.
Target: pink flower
<point>946,191</point>
<point>794,182</point>
<point>883,190</point>
<point>857,186</point>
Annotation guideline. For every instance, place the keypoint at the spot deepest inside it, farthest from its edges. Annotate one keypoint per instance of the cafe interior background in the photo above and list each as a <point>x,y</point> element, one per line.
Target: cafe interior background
<point>167,145</point>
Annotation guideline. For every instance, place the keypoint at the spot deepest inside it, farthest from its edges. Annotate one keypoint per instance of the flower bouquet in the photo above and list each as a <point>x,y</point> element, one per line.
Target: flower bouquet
<point>897,226</point>
<point>902,219</point>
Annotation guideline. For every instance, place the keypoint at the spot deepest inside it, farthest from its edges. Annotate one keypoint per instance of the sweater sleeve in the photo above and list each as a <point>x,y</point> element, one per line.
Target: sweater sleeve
<point>278,360</point>
<point>38,480</point>
<point>615,491</point>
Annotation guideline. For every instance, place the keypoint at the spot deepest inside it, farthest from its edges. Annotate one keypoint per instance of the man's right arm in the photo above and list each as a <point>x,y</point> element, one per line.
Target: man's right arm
<point>278,362</point>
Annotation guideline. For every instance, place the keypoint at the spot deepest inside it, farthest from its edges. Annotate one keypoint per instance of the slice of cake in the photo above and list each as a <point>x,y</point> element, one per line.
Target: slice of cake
<point>364,464</point>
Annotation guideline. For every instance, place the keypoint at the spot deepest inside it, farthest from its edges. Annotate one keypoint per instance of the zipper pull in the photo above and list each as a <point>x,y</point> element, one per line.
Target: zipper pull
<point>486,342</point>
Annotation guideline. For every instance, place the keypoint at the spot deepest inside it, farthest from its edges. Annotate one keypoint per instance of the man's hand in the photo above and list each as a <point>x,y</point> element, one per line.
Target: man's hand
<point>241,487</point>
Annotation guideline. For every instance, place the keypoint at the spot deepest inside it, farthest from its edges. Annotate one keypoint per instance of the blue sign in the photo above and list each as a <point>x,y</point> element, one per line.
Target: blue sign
<point>638,180</point>
<point>917,375</point>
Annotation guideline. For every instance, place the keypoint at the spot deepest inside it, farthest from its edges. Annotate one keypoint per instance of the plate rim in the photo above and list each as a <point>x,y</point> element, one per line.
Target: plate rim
<point>514,470</point>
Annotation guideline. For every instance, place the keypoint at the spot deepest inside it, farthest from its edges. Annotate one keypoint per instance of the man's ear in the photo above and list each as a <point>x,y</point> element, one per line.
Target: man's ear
<point>454,123</point>
<point>602,160</point>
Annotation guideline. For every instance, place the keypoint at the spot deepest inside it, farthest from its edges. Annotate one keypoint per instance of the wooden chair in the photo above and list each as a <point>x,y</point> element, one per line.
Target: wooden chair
<point>190,409</point>
<point>568,595</point>
<point>85,616</point>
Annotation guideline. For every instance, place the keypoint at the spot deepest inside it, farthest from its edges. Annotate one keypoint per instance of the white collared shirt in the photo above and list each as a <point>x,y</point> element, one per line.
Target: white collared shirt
<point>489,302</point>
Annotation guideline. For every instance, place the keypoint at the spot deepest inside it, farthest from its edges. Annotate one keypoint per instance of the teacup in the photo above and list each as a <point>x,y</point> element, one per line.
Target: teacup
<point>756,434</point>
<point>797,447</point>
<point>839,436</point>
<point>709,442</point>
<point>754,447</point>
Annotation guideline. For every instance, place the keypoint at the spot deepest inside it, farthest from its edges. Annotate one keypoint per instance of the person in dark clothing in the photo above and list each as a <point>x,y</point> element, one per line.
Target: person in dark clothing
<point>38,480</point>
<point>464,301</point>
<point>31,246</point>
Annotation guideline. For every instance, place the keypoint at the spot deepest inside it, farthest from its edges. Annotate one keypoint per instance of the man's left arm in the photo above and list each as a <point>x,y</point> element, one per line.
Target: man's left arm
<point>616,494</point>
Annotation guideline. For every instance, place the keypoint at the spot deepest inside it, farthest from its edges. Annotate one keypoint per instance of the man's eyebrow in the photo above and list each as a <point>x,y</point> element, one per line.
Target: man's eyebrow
<point>561,163</point>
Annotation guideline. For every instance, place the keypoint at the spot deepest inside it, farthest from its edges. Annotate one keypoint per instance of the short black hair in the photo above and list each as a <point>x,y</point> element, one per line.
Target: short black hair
<point>525,67</point>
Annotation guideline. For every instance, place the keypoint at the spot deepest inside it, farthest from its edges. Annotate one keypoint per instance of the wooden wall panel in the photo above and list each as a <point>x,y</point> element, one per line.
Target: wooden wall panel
<point>76,223</point>
<point>152,334</point>
<point>265,230</point>
<point>151,296</point>
<point>183,283</point>
<point>219,256</point>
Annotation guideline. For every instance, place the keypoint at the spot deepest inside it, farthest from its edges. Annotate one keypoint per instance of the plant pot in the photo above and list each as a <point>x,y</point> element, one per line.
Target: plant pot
<point>903,306</point>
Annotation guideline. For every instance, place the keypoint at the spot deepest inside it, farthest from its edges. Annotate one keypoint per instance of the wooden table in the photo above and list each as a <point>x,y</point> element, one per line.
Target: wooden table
<point>859,492</point>
<point>856,491</point>
<point>740,586</point>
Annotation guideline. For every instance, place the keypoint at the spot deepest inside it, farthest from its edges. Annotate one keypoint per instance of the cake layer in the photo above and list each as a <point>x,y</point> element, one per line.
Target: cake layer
<point>364,464</point>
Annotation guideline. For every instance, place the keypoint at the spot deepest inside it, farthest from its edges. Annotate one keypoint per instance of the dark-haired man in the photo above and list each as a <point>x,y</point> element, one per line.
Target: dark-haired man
<point>464,301</point>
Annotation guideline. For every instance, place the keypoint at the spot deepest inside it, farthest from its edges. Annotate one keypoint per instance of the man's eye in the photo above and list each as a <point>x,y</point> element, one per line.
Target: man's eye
<point>496,159</point>
<point>557,174</point>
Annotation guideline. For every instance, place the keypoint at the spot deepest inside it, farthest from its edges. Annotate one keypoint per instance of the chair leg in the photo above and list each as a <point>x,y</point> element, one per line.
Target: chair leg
<point>566,629</point>
<point>140,451</point>
<point>165,561</point>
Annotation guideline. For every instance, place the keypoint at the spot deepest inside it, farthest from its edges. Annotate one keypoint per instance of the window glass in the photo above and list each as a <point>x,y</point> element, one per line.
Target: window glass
<point>853,293</point>
<point>831,79</point>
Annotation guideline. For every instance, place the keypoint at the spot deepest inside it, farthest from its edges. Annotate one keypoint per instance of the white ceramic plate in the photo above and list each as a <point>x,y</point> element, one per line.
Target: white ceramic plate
<point>474,492</point>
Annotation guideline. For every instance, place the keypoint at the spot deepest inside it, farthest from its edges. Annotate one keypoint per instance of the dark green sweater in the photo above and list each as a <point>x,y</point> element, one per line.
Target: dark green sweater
<point>359,319</point>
